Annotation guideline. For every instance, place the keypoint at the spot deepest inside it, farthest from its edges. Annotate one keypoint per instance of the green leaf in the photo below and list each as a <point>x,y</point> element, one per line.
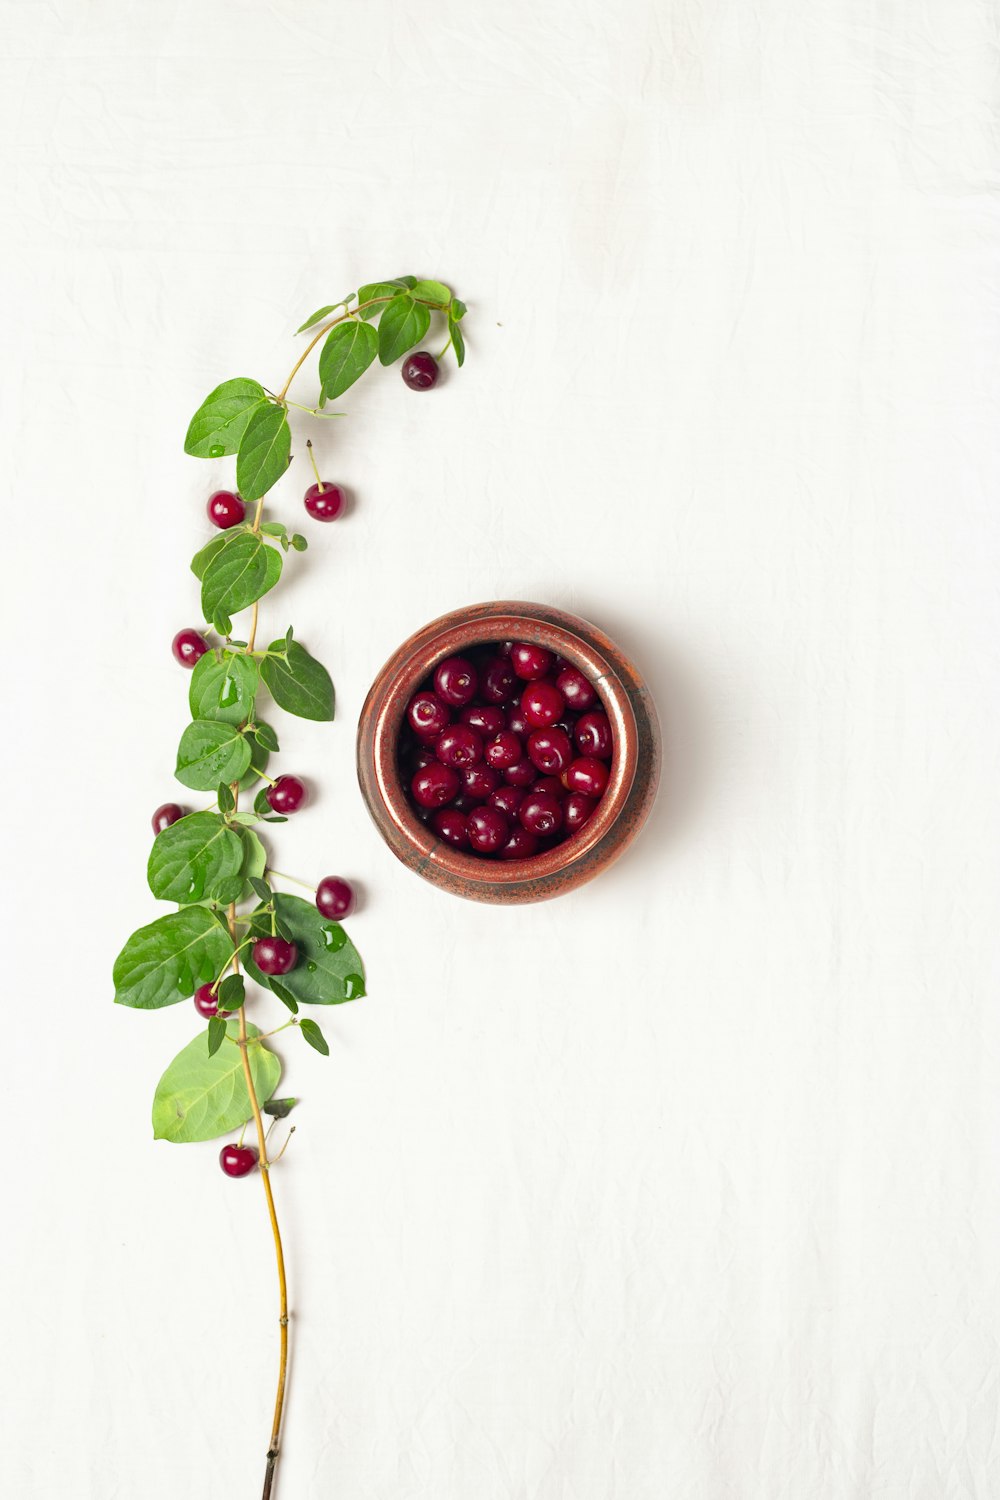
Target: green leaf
<point>221,420</point>
<point>458,342</point>
<point>329,970</point>
<point>259,757</point>
<point>264,451</point>
<point>167,960</point>
<point>284,996</point>
<point>261,889</point>
<point>232,992</point>
<point>254,863</point>
<point>346,355</point>
<point>409,282</point>
<point>210,752</point>
<point>279,1109</point>
<point>225,799</point>
<point>457,311</point>
<point>298,683</point>
<point>191,857</point>
<point>266,736</point>
<point>322,312</point>
<point>431,291</point>
<point>240,573</point>
<point>372,290</point>
<point>216,1034</point>
<point>298,542</point>
<point>315,1037</point>
<point>201,1097</point>
<point>202,558</point>
<point>402,325</point>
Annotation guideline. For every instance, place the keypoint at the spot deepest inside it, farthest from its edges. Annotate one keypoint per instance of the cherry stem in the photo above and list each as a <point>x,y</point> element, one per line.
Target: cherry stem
<point>444,351</point>
<point>350,313</point>
<point>319,483</point>
<point>303,883</point>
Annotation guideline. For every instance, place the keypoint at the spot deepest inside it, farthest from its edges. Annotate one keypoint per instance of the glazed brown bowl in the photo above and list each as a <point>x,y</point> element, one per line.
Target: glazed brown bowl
<point>619,815</point>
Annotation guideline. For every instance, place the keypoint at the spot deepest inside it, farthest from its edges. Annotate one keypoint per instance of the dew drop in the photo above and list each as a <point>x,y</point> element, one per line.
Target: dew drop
<point>229,692</point>
<point>310,967</point>
<point>334,937</point>
<point>216,450</point>
<point>354,985</point>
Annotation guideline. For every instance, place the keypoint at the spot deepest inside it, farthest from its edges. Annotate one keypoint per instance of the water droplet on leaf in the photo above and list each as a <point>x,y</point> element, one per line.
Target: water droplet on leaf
<point>354,985</point>
<point>334,937</point>
<point>310,967</point>
<point>216,450</point>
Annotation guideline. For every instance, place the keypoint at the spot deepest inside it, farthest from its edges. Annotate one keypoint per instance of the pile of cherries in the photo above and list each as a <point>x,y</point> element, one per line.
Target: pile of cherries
<point>506,752</point>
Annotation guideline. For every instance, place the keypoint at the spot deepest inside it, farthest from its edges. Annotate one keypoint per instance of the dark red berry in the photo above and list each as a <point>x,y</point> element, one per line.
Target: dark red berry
<point>507,799</point>
<point>529,661</point>
<point>434,785</point>
<point>225,509</point>
<point>488,830</point>
<point>550,750</point>
<point>428,715</point>
<point>420,371</point>
<point>478,781</point>
<point>517,723</point>
<point>550,784</point>
<point>540,813</point>
<point>166,814</point>
<point>335,897</point>
<point>275,955</point>
<point>286,796</point>
<point>497,683</point>
<point>459,746</point>
<point>520,845</point>
<point>484,717</point>
<point>238,1161</point>
<point>586,775</point>
<point>578,690</point>
<point>188,647</point>
<point>506,750</point>
<point>504,648</point>
<point>206,1003</point>
<point>524,773</point>
<point>326,503</point>
<point>577,808</point>
<point>542,704</point>
<point>450,826</point>
<point>455,681</point>
<point>593,734</point>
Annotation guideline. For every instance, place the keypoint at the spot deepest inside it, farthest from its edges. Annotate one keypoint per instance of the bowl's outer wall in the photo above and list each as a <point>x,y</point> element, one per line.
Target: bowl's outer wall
<point>635,767</point>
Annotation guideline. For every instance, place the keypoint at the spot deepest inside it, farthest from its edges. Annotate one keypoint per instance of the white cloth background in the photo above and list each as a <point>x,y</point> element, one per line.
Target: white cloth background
<point>685,1185</point>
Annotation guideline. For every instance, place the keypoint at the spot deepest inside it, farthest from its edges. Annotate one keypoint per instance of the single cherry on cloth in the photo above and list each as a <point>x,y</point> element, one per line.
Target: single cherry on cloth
<point>488,830</point>
<point>165,815</point>
<point>188,647</point>
<point>593,735</point>
<point>225,509</point>
<point>528,661</point>
<point>335,897</point>
<point>287,795</point>
<point>206,1002</point>
<point>238,1161</point>
<point>428,715</point>
<point>434,785</point>
<point>586,775</point>
<point>542,704</point>
<point>323,501</point>
<point>450,825</point>
<point>459,746</point>
<point>541,813</point>
<point>578,690</point>
<point>550,750</point>
<point>275,955</point>
<point>456,681</point>
<point>420,371</point>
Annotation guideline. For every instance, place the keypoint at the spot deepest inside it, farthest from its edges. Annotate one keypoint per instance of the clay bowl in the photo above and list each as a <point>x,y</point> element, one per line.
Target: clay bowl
<point>635,765</point>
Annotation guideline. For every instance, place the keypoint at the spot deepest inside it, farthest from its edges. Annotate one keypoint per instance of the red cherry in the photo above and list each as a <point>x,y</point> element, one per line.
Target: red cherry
<point>428,715</point>
<point>459,746</point>
<point>287,795</point>
<point>529,661</point>
<point>335,897</point>
<point>488,830</point>
<point>238,1161</point>
<point>325,502</point>
<point>456,681</point>
<point>450,826</point>
<point>166,814</point>
<point>540,813</point>
<point>434,785</point>
<point>206,1003</point>
<point>520,845</point>
<point>550,750</point>
<point>420,371</point>
<point>506,750</point>
<point>188,647</point>
<point>578,690</point>
<point>486,717</point>
<point>593,734</point>
<point>225,509</point>
<point>586,775</point>
<point>577,808</point>
<point>542,704</point>
<point>275,955</point>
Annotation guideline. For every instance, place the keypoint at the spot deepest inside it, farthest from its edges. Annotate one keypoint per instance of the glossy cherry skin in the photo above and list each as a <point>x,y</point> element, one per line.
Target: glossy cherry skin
<point>550,784</point>
<point>188,647</point>
<point>325,504</point>
<point>486,718</point>
<point>488,830</point>
<point>528,661</point>
<point>577,809</point>
<point>550,750</point>
<point>506,750</point>
<point>238,1161</point>
<point>540,813</point>
<point>428,715</point>
<point>497,683</point>
<point>456,681</point>
<point>478,781</point>
<point>434,785</point>
<point>335,897</point>
<point>225,509</point>
<point>586,775</point>
<point>287,795</point>
<point>420,371</point>
<point>207,1004</point>
<point>593,735</point>
<point>517,723</point>
<point>524,773</point>
<point>542,704</point>
<point>520,845</point>
<point>275,955</point>
<point>450,826</point>
<point>578,690</point>
<point>507,799</point>
<point>166,814</point>
<point>459,746</point>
